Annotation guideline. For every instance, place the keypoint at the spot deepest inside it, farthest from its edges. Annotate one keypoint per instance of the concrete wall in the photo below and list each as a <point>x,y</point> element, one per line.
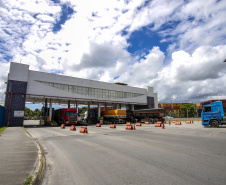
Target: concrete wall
<point>15,93</point>
<point>14,101</point>
<point>150,92</point>
<point>18,72</point>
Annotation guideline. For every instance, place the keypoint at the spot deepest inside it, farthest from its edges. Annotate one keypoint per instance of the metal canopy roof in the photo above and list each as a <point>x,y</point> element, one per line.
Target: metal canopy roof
<point>64,100</point>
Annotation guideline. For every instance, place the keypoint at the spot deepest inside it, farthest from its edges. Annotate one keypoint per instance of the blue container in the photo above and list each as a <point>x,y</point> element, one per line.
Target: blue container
<point>2,114</point>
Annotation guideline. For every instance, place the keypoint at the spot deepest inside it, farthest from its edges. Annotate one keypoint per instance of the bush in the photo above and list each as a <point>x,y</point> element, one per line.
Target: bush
<point>54,123</point>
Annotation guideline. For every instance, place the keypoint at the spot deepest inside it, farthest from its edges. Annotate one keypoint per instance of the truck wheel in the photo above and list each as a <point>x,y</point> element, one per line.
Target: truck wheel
<point>214,123</point>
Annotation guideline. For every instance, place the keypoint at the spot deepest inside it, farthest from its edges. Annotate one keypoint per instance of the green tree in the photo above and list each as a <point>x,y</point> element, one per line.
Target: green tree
<point>82,110</point>
<point>28,112</point>
<point>37,112</point>
<point>188,109</point>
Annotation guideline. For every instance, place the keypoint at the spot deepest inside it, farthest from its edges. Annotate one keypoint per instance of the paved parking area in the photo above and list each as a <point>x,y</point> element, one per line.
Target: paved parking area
<point>178,154</point>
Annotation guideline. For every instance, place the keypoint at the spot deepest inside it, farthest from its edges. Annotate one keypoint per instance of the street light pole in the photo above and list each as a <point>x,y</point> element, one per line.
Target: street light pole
<point>171,108</point>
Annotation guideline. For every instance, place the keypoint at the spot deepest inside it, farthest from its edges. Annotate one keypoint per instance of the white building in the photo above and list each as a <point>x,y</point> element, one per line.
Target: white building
<point>25,85</point>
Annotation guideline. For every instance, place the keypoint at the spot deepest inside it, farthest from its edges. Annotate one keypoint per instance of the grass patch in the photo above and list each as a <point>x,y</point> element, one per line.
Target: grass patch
<point>2,128</point>
<point>28,181</point>
<point>54,123</point>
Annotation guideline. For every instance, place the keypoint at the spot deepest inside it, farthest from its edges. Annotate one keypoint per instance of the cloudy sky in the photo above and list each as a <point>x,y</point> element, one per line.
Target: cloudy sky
<point>177,46</point>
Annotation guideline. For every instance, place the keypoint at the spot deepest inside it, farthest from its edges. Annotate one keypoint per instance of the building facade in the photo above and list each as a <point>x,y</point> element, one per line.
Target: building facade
<point>25,85</point>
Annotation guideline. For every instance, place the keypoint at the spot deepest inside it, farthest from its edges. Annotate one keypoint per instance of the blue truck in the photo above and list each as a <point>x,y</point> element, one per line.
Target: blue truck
<point>213,114</point>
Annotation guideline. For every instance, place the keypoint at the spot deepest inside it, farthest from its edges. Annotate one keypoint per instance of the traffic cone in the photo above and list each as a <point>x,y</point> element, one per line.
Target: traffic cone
<point>73,128</point>
<point>134,127</point>
<point>86,131</point>
<point>62,126</point>
<point>169,122</point>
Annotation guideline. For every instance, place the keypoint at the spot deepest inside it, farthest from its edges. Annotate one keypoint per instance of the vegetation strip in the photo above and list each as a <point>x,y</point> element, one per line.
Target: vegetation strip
<point>28,181</point>
<point>2,129</point>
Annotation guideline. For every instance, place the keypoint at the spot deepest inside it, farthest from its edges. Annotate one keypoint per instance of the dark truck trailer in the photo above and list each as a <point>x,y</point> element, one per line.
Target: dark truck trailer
<point>151,115</point>
<point>67,116</point>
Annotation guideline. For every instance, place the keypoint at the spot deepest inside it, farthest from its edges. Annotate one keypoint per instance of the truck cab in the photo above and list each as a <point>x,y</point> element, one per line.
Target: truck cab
<point>67,116</point>
<point>213,114</point>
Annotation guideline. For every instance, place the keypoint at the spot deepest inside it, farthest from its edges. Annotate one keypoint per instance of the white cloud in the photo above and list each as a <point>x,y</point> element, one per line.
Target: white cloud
<point>3,78</point>
<point>91,44</point>
<point>199,23</point>
<point>193,77</point>
<point>155,13</point>
<point>140,72</point>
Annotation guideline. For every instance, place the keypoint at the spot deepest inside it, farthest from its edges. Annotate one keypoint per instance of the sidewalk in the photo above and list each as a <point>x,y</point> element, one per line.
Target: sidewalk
<point>18,156</point>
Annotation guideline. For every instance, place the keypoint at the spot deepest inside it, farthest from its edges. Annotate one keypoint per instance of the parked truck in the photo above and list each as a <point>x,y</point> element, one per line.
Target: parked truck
<point>142,115</point>
<point>151,115</point>
<point>117,115</point>
<point>67,116</point>
<point>213,114</point>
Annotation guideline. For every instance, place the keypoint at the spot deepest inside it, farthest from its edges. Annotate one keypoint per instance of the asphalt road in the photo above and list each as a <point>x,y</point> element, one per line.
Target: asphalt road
<point>186,154</point>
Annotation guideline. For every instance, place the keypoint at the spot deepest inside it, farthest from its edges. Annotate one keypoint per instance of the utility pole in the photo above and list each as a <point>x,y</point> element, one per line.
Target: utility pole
<point>171,108</point>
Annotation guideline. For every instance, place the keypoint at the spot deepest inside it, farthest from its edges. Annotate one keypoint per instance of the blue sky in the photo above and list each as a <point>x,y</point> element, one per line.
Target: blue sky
<point>66,12</point>
<point>177,47</point>
<point>143,40</point>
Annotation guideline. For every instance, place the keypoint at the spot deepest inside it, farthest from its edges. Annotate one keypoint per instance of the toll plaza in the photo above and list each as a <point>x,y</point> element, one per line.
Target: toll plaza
<point>24,85</point>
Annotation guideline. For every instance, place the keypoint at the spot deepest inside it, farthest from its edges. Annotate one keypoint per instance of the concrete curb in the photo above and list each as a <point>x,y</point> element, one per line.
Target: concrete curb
<point>184,119</point>
<point>38,174</point>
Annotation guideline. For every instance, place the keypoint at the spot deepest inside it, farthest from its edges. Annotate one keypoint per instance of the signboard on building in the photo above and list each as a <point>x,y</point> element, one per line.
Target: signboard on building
<point>18,113</point>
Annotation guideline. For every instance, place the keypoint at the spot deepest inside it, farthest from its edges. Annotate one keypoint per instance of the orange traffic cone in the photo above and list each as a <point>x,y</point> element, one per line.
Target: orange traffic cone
<point>86,131</point>
<point>62,126</point>
<point>169,122</point>
<point>134,127</point>
<point>73,128</point>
